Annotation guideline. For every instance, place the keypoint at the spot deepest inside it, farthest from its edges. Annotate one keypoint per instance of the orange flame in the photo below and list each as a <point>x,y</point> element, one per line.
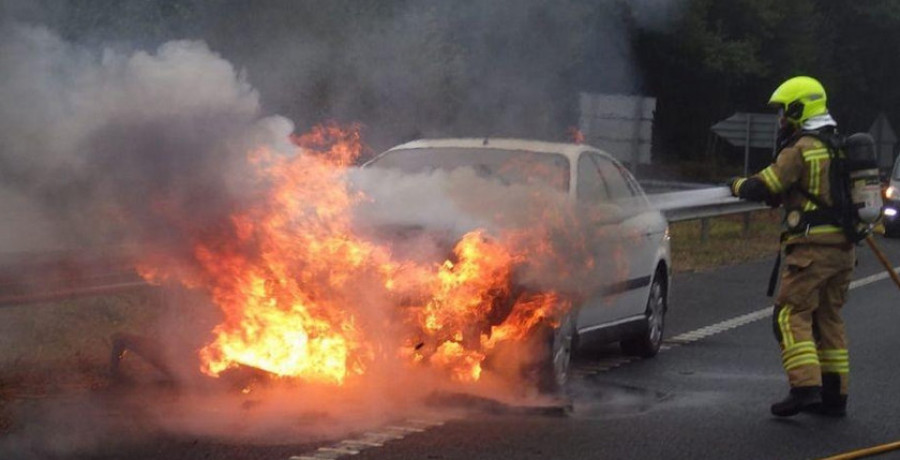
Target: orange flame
<point>287,271</point>
<point>575,135</point>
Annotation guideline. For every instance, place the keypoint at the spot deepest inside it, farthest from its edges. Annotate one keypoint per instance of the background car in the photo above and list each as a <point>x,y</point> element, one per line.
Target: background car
<point>631,310</point>
<point>892,203</point>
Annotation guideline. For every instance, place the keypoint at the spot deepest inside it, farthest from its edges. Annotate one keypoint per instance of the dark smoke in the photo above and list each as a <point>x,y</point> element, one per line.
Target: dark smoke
<point>405,69</point>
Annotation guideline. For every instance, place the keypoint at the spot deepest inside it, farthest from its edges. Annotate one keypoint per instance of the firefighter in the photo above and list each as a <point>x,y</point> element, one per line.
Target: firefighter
<point>818,257</point>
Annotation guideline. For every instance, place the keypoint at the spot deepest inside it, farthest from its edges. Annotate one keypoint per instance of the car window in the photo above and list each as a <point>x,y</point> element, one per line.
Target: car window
<point>590,182</point>
<point>617,185</point>
<point>897,169</point>
<point>506,166</point>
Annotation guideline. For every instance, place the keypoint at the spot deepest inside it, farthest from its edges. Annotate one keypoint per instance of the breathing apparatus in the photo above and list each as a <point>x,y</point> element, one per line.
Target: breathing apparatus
<point>853,174</point>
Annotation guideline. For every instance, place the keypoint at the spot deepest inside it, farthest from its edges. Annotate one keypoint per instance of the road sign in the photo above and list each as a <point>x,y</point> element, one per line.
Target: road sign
<point>621,125</point>
<point>885,139</point>
<point>757,129</point>
<point>748,130</point>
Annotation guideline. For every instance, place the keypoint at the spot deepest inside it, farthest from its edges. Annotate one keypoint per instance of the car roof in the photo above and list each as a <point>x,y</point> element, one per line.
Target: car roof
<point>571,151</point>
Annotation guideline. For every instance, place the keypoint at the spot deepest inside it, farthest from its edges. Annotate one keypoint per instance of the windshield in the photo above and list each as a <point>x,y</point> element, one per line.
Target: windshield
<point>507,166</point>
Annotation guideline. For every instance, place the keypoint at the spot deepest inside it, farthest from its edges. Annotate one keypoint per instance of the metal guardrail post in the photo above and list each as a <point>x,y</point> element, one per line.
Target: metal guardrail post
<point>746,224</point>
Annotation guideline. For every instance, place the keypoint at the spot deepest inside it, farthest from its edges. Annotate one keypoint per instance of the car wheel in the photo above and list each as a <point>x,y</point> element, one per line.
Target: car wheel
<point>554,369</point>
<point>647,343</point>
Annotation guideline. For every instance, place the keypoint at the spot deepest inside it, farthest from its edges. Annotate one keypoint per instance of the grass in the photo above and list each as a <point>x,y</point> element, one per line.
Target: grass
<point>68,342</point>
<point>45,348</point>
<point>727,243</point>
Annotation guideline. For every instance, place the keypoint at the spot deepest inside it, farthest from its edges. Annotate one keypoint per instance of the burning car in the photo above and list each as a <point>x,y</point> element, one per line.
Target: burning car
<point>448,257</point>
<point>616,275</point>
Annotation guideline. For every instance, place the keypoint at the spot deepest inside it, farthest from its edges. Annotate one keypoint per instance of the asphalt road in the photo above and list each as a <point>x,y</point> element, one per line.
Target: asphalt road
<point>707,395</point>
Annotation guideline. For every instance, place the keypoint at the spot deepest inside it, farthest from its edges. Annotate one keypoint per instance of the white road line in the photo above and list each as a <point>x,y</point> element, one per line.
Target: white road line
<point>370,439</point>
<point>608,364</point>
<point>375,439</point>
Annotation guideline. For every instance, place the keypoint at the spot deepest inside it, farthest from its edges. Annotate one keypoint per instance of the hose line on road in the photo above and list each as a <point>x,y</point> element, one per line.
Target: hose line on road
<point>867,452</point>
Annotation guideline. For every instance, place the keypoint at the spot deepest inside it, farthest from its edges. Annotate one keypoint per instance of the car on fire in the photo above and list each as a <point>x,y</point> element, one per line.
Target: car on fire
<point>630,310</point>
<point>892,203</point>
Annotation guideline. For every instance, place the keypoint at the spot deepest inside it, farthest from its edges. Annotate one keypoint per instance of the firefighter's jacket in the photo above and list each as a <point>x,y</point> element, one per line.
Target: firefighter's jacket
<point>804,163</point>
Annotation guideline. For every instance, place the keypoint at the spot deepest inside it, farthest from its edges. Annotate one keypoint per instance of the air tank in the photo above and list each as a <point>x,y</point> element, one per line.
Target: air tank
<point>862,167</point>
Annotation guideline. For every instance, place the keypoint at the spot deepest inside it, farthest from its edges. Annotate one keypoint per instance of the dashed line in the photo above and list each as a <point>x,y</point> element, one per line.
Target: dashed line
<point>377,438</point>
<point>707,331</point>
<point>718,328</point>
<point>370,439</point>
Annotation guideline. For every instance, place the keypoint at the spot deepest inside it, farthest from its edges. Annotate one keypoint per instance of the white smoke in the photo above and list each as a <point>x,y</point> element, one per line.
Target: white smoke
<point>86,136</point>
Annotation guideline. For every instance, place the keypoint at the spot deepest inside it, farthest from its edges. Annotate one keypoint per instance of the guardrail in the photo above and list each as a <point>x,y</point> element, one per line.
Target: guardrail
<point>703,204</point>
<point>65,276</point>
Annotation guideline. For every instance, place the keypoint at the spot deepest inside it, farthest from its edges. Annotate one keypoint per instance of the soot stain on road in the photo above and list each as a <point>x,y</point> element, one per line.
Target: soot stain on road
<point>592,399</point>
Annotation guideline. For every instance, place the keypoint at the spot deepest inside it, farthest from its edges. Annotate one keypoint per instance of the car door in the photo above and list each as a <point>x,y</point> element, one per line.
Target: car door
<point>597,308</point>
<point>642,229</point>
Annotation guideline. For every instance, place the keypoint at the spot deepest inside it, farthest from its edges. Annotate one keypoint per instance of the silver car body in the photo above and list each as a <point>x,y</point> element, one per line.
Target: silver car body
<point>612,314</point>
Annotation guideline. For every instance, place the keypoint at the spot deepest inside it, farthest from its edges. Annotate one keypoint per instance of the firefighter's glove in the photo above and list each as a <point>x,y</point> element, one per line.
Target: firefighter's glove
<point>773,201</point>
<point>735,185</point>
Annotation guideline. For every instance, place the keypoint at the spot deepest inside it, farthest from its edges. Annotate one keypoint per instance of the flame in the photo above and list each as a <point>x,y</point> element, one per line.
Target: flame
<point>286,271</point>
<point>470,292</point>
<point>575,135</point>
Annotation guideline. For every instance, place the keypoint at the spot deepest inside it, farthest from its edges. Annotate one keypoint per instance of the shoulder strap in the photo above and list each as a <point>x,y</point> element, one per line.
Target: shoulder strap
<point>832,140</point>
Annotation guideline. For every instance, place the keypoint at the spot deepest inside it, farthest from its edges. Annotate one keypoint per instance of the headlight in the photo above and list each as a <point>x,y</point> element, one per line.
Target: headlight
<point>892,193</point>
<point>890,212</point>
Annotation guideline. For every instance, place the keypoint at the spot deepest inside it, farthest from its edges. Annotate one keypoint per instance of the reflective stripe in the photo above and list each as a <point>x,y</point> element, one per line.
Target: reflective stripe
<point>834,353</point>
<point>815,157</point>
<point>771,180</point>
<point>817,230</point>
<point>822,229</point>
<point>799,348</point>
<point>835,360</point>
<point>815,154</point>
<point>736,188</point>
<point>835,369</point>
<point>787,337</point>
<point>799,361</point>
<point>815,184</point>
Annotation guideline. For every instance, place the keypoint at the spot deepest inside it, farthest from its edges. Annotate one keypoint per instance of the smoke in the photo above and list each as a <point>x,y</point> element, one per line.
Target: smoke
<point>138,150</point>
<point>118,136</point>
<point>439,69</point>
<point>509,68</point>
<point>422,215</point>
<point>100,141</point>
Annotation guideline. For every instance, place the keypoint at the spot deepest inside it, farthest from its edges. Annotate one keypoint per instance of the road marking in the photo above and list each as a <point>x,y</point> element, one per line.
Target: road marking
<point>370,439</point>
<point>377,438</point>
<point>708,331</point>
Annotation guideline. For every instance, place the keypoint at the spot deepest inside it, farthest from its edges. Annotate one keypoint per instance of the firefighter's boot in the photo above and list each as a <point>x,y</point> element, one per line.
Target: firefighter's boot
<point>834,404</point>
<point>800,398</point>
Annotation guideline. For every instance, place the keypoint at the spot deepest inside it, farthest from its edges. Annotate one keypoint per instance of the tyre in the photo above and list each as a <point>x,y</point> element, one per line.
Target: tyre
<point>646,344</point>
<point>553,370</point>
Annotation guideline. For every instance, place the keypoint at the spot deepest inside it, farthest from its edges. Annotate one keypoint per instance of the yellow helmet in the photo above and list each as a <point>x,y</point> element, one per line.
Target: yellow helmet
<point>801,98</point>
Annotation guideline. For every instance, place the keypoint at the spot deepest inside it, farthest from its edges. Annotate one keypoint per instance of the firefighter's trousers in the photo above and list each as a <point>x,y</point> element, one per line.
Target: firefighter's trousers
<point>807,317</point>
